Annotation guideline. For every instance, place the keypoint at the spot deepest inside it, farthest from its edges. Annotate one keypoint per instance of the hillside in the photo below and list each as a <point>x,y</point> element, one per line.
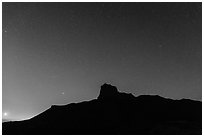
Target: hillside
<point>114,113</point>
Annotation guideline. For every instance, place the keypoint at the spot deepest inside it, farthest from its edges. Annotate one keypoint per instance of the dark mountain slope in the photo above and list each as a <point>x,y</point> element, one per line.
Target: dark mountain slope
<point>114,112</point>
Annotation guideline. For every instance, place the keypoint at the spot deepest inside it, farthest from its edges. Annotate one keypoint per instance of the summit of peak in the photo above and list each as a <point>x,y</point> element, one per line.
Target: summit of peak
<point>108,91</point>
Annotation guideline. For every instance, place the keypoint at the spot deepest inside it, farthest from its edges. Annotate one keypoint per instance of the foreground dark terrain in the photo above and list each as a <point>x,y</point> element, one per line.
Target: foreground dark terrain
<point>115,113</point>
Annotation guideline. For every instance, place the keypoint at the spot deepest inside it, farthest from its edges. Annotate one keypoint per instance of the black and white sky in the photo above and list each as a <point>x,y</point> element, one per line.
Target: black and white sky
<point>59,53</point>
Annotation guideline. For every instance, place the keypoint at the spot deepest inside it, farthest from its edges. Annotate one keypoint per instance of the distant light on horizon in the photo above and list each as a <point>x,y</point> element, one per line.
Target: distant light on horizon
<point>5,114</point>
<point>61,53</point>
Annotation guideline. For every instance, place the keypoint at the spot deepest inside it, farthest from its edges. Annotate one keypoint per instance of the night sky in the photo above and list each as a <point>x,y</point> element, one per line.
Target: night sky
<point>59,53</point>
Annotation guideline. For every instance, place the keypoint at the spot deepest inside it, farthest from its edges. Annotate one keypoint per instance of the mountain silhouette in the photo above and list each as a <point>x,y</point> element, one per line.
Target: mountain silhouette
<point>115,113</point>
<point>5,120</point>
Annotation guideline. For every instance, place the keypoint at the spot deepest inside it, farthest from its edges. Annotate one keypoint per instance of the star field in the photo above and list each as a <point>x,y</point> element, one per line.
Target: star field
<point>59,53</point>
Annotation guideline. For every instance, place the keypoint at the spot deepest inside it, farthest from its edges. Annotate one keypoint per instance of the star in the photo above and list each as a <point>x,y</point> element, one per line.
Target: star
<point>5,31</point>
